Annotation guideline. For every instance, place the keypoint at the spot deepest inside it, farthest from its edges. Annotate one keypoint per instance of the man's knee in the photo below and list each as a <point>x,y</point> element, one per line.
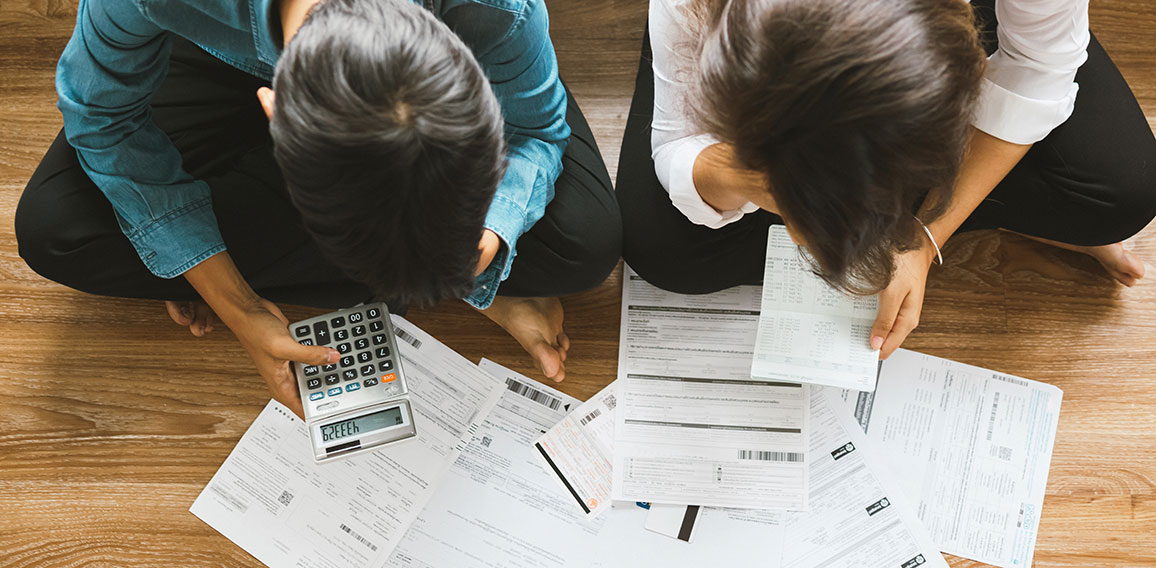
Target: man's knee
<point>37,232</point>
<point>597,252</point>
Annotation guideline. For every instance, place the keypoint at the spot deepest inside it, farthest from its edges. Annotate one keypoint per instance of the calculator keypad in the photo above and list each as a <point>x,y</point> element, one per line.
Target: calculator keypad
<point>366,363</point>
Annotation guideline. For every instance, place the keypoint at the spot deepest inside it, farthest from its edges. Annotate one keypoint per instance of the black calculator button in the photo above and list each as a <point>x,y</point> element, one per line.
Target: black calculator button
<point>341,335</point>
<point>331,379</point>
<point>311,370</point>
<point>376,326</point>
<point>347,361</point>
<point>372,313</point>
<point>361,343</point>
<point>382,352</point>
<point>364,357</point>
<point>379,339</point>
<point>329,368</point>
<point>355,317</point>
<point>343,348</point>
<point>370,382</point>
<point>337,321</point>
<point>321,333</point>
<point>349,374</point>
<point>367,370</point>
<point>314,383</point>
<point>358,330</point>
<point>306,342</point>
<point>386,365</point>
<point>302,330</point>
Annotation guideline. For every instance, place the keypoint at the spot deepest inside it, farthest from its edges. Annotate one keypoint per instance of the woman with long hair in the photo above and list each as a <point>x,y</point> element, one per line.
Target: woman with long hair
<point>875,130</point>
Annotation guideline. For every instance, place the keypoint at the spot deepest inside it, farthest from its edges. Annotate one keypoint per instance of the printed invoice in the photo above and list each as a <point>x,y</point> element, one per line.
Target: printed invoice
<point>971,447</point>
<point>691,425</point>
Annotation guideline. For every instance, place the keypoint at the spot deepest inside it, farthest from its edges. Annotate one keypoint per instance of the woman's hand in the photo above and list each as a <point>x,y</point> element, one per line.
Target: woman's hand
<point>902,301</point>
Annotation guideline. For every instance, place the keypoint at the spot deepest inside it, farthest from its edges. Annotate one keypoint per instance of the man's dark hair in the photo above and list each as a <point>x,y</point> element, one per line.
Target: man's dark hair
<point>391,144</point>
<point>853,109</point>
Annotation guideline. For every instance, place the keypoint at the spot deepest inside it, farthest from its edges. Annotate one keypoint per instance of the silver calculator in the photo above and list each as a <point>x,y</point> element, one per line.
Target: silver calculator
<point>361,402</point>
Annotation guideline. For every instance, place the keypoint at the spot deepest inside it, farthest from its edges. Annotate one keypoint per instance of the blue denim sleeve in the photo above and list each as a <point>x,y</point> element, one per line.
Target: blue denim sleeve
<point>523,72</point>
<point>114,62</point>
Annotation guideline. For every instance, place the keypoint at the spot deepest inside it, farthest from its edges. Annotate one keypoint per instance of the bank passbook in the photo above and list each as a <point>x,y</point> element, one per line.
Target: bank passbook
<point>361,402</point>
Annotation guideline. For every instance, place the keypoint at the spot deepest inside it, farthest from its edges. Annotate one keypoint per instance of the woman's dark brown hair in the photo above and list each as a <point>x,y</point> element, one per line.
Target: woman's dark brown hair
<point>853,109</point>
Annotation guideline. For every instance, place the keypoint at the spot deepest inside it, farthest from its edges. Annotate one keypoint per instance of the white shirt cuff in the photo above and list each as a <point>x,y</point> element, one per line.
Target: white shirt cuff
<point>1019,119</point>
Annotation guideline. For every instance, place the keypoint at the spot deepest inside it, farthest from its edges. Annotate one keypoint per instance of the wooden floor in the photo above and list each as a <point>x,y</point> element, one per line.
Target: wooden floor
<point>112,419</point>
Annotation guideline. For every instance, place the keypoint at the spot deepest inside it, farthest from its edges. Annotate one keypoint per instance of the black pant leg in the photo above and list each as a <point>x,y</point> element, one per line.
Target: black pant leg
<point>578,240</point>
<point>659,242</point>
<point>67,230</point>
<point>1092,180</point>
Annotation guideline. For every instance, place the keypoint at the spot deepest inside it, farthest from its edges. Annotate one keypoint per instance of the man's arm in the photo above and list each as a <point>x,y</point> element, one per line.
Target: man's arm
<point>116,59</point>
<point>523,72</point>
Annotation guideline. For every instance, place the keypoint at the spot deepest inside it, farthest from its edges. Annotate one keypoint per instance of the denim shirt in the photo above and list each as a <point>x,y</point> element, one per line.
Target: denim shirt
<point>118,57</point>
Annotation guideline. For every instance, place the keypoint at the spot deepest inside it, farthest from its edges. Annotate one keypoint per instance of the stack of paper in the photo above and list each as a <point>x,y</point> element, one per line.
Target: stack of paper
<point>708,449</point>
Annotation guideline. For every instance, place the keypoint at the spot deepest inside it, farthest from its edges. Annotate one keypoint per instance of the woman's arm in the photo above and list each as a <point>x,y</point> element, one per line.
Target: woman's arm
<point>987,161</point>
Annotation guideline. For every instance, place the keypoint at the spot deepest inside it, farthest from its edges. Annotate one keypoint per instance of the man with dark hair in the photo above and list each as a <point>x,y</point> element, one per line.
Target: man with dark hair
<point>421,149</point>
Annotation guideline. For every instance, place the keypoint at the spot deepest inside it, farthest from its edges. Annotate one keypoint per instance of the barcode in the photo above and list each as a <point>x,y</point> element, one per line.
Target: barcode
<point>1012,380</point>
<point>770,456</point>
<point>406,337</point>
<point>590,417</point>
<point>533,394</point>
<point>285,498</point>
<point>359,538</point>
<point>991,421</point>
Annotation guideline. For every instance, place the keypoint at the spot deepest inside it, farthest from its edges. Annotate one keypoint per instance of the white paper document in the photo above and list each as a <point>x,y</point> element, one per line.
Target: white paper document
<point>500,506</point>
<point>808,331</point>
<point>578,450</point>
<point>858,516</point>
<point>971,447</point>
<point>691,425</point>
<point>275,502</point>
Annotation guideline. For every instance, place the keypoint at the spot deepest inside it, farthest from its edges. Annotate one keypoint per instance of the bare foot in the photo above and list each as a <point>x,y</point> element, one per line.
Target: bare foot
<point>537,324</point>
<point>198,316</point>
<point>1121,264</point>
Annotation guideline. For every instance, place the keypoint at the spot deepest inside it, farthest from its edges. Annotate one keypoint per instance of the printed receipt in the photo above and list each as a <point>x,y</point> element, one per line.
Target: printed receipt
<point>691,426</point>
<point>578,450</point>
<point>971,448</point>
<point>808,331</point>
<point>275,502</point>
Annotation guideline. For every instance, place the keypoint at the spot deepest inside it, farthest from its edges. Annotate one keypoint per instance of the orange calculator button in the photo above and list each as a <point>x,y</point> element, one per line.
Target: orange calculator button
<point>388,378</point>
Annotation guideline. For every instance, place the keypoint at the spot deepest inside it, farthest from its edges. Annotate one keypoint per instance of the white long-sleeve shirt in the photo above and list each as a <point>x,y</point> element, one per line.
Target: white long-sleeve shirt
<point>1029,89</point>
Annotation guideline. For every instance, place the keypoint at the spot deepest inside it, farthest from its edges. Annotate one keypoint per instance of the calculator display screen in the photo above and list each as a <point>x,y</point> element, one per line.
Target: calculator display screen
<point>367,423</point>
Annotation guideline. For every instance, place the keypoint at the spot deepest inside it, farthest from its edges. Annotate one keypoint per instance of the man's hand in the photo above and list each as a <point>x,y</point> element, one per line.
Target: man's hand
<point>264,333</point>
<point>902,301</point>
<point>261,327</point>
<point>488,247</point>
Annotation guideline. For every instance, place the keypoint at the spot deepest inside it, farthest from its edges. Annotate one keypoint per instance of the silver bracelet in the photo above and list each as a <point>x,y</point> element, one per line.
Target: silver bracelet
<point>938,255</point>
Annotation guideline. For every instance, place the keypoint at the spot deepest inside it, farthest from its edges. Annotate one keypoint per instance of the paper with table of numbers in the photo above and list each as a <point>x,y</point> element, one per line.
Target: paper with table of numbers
<point>809,332</point>
<point>971,448</point>
<point>275,502</point>
<point>691,425</point>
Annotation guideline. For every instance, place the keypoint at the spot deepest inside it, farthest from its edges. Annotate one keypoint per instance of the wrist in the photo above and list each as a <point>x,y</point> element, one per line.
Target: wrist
<point>222,287</point>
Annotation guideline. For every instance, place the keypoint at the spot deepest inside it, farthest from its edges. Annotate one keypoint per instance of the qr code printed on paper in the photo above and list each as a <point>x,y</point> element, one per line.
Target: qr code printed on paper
<point>609,402</point>
<point>486,441</point>
<point>285,498</point>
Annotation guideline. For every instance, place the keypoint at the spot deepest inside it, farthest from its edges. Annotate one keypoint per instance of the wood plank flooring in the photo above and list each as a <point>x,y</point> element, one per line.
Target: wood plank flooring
<point>112,418</point>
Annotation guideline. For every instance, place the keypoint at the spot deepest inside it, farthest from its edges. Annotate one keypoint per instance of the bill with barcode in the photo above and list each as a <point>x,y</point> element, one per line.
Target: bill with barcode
<point>577,452</point>
<point>947,429</point>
